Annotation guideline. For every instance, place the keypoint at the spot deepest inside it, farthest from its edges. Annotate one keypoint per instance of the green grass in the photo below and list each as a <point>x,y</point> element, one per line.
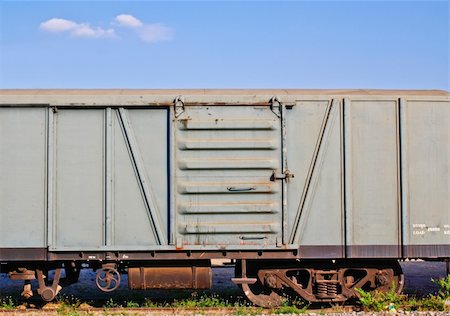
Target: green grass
<point>202,302</point>
<point>370,301</point>
<point>388,301</point>
<point>7,303</point>
<point>111,304</point>
<point>444,287</point>
<point>289,309</point>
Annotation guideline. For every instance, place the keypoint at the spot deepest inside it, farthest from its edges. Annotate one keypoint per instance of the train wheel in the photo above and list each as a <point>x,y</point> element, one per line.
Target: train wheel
<point>254,289</point>
<point>383,276</point>
<point>107,278</point>
<point>316,281</point>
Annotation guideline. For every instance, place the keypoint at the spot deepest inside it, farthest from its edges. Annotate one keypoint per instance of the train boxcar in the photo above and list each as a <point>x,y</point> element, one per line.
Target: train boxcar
<point>314,193</point>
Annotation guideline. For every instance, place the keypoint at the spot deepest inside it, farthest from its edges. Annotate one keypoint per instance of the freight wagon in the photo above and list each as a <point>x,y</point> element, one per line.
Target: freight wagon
<point>314,193</point>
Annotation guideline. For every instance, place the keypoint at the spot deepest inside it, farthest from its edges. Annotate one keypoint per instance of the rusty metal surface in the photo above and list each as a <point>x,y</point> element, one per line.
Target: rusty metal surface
<point>194,277</point>
<point>107,278</point>
<point>317,281</point>
<point>48,292</point>
<point>22,274</point>
<point>23,254</point>
<point>304,252</point>
<point>418,277</point>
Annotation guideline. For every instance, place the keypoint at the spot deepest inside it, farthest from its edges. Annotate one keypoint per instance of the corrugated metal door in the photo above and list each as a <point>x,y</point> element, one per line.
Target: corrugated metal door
<point>225,192</point>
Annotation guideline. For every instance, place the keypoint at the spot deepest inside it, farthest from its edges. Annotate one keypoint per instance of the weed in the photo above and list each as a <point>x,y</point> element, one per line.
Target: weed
<point>294,307</point>
<point>69,301</point>
<point>432,303</point>
<point>370,300</point>
<point>444,287</point>
<point>380,301</point>
<point>148,303</point>
<point>131,304</point>
<point>248,311</point>
<point>111,304</point>
<point>202,302</point>
<point>288,309</point>
<point>7,303</point>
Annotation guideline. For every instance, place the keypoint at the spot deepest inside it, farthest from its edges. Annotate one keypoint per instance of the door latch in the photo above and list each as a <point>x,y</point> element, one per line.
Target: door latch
<point>286,175</point>
<point>179,105</point>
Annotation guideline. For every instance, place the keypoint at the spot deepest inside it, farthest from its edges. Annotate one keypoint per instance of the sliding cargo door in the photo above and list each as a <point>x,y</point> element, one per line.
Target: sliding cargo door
<point>226,191</point>
<point>108,174</point>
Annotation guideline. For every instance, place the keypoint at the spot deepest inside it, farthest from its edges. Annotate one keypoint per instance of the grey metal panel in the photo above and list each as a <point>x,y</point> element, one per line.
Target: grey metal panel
<point>131,225</point>
<point>107,163</point>
<point>304,123</point>
<point>225,159</point>
<point>427,153</point>
<point>109,148</point>
<point>50,180</point>
<point>314,157</point>
<point>79,179</point>
<point>372,176</point>
<point>134,216</point>
<point>22,177</point>
<point>221,150</point>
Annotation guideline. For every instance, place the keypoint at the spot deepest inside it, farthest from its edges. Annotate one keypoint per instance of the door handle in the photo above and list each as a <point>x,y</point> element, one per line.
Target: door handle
<point>234,189</point>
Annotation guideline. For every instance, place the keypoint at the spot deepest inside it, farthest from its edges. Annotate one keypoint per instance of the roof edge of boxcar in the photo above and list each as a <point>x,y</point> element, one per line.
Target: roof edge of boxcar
<point>223,92</point>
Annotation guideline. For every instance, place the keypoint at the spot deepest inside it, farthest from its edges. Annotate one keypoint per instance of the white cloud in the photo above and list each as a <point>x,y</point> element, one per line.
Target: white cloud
<point>151,33</point>
<point>128,20</point>
<point>155,32</point>
<point>85,30</point>
<point>57,25</point>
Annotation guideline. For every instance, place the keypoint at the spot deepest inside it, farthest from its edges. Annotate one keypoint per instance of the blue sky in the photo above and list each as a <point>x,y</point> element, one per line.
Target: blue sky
<point>212,44</point>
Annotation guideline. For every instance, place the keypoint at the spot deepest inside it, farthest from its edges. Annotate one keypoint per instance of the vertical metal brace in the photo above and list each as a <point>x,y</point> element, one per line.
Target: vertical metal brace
<point>275,106</point>
<point>179,105</point>
<point>108,177</point>
<point>348,185</point>
<point>50,177</point>
<point>403,166</point>
<point>284,168</point>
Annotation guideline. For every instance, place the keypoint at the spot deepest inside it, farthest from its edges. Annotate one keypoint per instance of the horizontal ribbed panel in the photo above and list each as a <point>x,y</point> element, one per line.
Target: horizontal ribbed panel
<point>236,143</point>
<point>233,124</point>
<point>225,158</point>
<point>230,163</point>
<point>231,228</point>
<point>226,188</point>
<point>228,208</point>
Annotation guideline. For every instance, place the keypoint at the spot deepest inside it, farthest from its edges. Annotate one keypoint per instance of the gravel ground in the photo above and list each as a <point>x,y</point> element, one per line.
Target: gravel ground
<point>418,277</point>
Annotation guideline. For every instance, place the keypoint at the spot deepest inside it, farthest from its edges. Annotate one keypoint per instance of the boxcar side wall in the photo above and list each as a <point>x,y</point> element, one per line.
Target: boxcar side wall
<point>137,174</point>
<point>373,177</point>
<point>84,179</point>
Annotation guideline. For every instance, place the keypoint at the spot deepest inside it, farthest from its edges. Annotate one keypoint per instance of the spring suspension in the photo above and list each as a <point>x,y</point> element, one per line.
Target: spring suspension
<point>332,289</point>
<point>326,284</point>
<point>327,289</point>
<point>322,290</point>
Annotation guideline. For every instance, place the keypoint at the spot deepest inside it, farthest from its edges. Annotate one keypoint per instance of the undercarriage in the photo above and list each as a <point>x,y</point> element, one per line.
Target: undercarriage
<point>266,283</point>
